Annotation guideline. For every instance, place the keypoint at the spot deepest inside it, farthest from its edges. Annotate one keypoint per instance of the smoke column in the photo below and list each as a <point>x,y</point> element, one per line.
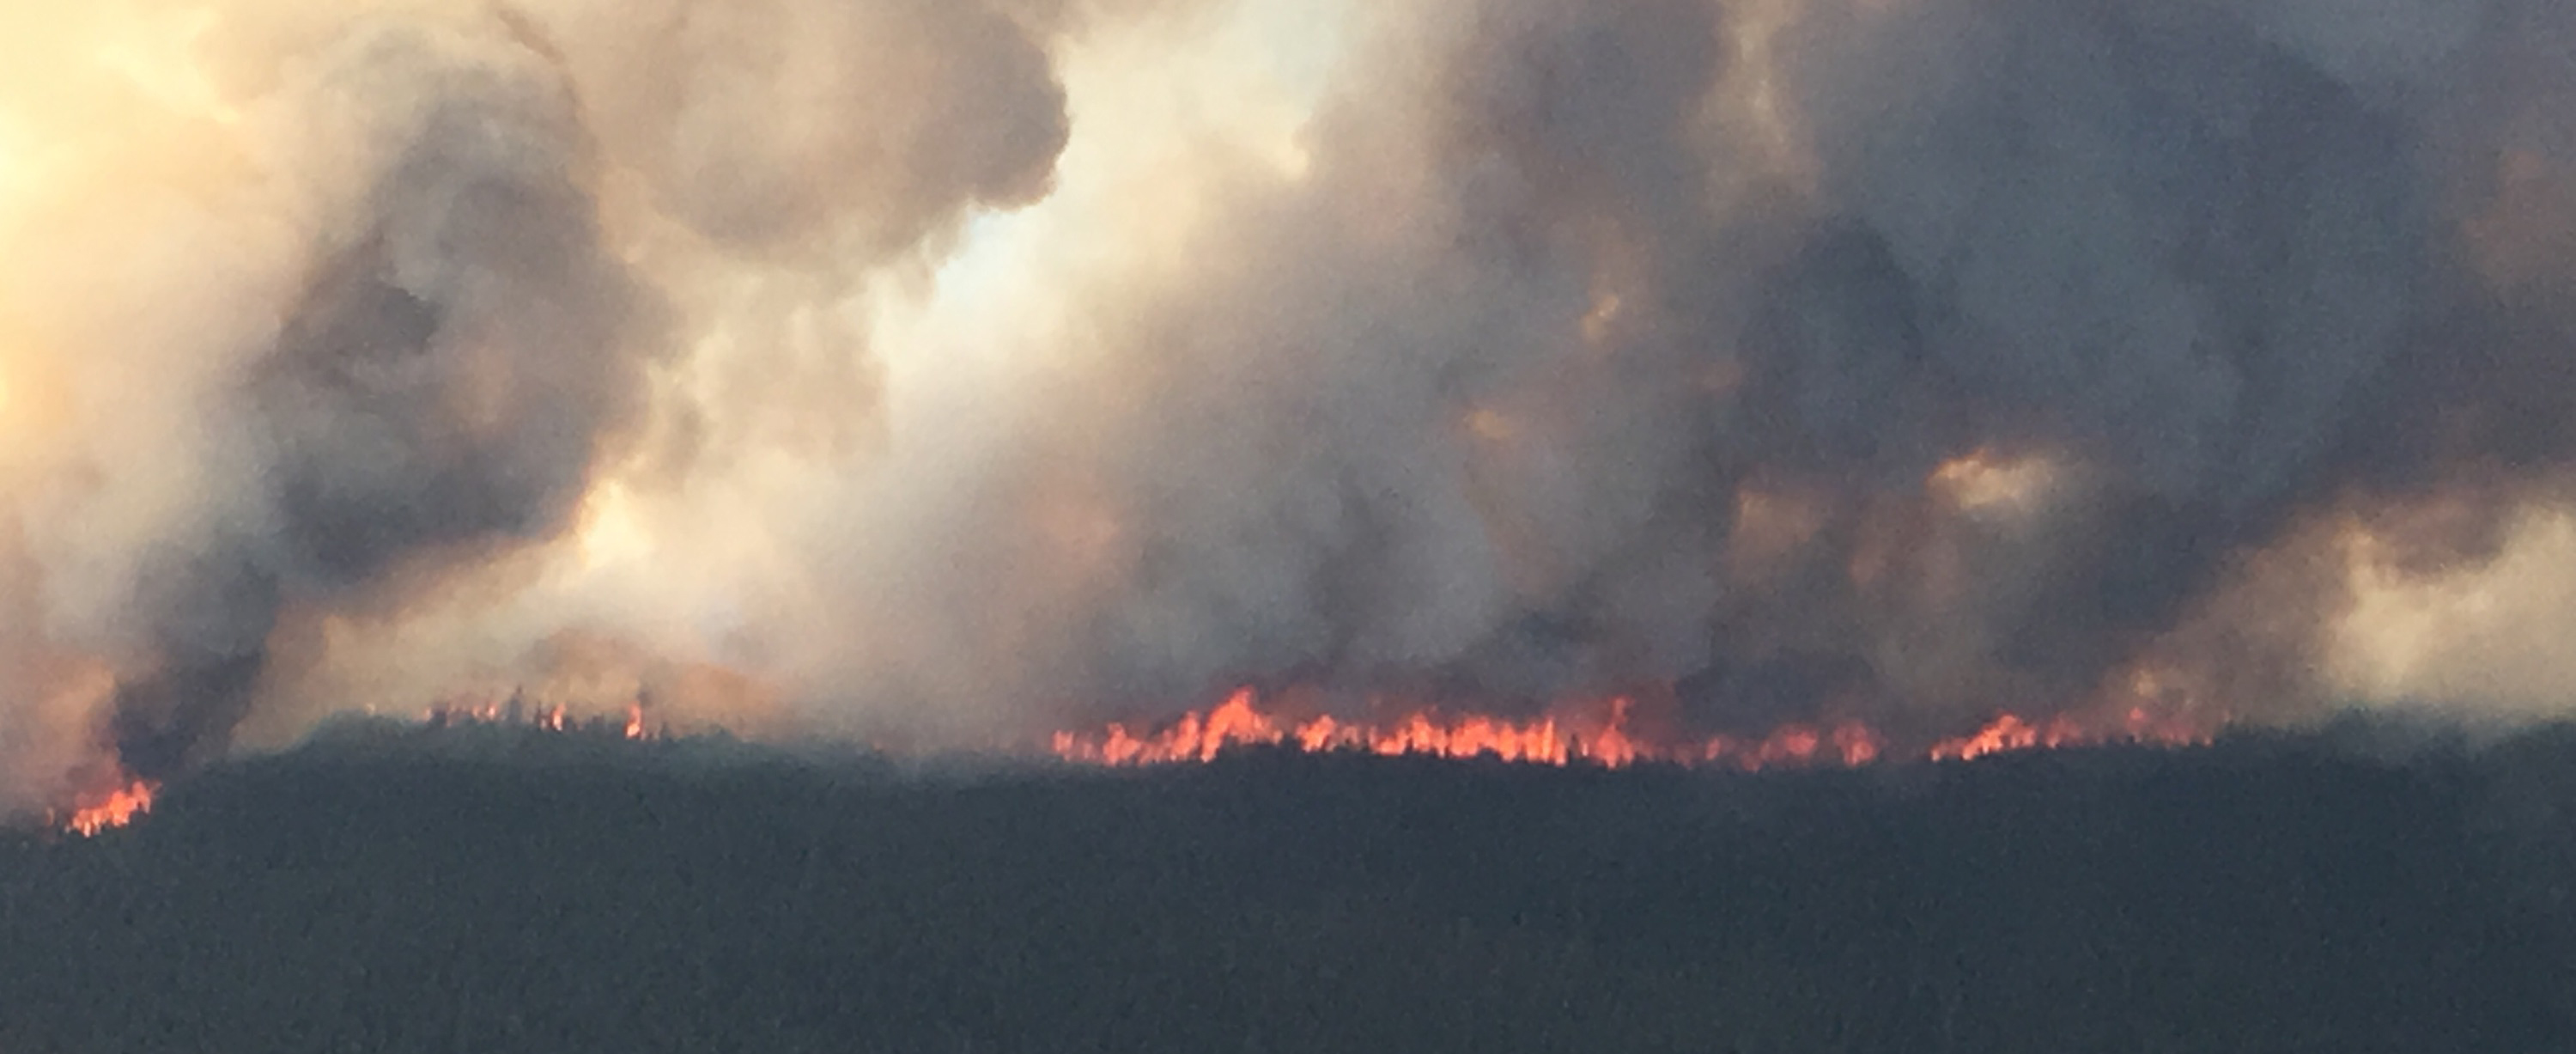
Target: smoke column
<point>955,368</point>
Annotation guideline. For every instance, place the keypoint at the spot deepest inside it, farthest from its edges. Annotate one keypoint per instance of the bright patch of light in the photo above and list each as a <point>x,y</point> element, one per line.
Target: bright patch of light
<point>1988,484</point>
<point>159,60</point>
<point>610,531</point>
<point>2492,637</point>
<point>1164,111</point>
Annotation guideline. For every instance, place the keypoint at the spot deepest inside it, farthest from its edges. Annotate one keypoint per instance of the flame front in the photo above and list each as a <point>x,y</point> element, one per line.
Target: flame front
<point>631,724</point>
<point>117,808</point>
<point>1602,735</point>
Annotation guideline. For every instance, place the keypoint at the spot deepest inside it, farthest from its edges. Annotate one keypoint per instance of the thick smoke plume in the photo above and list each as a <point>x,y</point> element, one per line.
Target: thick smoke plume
<point>953,369</point>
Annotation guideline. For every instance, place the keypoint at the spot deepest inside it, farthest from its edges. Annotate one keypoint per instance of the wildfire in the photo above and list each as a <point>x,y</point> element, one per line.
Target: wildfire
<point>116,809</point>
<point>550,718</point>
<point>1604,735</point>
<point>2008,733</point>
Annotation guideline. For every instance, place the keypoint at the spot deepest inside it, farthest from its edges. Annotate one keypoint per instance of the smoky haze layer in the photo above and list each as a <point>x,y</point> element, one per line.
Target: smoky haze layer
<point>1910,359</point>
<point>440,383</point>
<point>1782,359</point>
<point>411,292</point>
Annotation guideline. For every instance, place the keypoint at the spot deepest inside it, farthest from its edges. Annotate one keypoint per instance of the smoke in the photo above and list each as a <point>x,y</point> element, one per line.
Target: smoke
<point>952,369</point>
<point>399,288</point>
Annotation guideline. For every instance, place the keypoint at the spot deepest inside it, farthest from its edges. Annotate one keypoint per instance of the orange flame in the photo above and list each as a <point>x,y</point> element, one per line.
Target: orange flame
<point>2008,733</point>
<point>117,808</point>
<point>1604,738</point>
<point>543,717</point>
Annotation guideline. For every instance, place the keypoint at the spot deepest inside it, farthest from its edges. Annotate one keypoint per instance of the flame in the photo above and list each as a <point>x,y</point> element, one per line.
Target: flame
<point>548,717</point>
<point>117,808</point>
<point>1603,735</point>
<point>2007,733</point>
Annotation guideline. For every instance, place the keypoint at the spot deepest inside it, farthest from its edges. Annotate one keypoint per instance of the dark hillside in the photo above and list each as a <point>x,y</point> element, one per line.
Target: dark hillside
<point>560,894</point>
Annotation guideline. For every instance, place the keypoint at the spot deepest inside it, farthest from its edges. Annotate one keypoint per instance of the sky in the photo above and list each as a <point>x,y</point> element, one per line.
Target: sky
<point>950,370</point>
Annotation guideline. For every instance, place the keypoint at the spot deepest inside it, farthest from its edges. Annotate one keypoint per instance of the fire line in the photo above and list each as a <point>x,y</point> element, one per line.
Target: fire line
<point>1604,736</point>
<point>117,809</point>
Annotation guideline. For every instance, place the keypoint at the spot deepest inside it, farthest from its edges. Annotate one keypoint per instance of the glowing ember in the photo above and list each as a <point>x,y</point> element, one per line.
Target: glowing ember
<point>2007,733</point>
<point>1602,735</point>
<point>548,718</point>
<point>118,808</point>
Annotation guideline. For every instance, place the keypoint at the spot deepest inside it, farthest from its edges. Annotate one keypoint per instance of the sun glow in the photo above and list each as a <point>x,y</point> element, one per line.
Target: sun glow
<point>159,60</point>
<point>611,530</point>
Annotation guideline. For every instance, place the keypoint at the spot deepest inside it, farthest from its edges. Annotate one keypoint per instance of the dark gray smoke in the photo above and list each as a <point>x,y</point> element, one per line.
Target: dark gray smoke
<point>470,340</point>
<point>1607,346</point>
<point>462,347</point>
<point>1788,358</point>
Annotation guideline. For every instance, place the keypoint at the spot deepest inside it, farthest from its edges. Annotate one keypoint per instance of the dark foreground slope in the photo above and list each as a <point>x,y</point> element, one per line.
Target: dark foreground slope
<point>560,895</point>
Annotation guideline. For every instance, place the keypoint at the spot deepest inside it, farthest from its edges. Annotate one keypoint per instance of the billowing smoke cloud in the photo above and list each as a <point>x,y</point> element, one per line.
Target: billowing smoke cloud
<point>460,347</point>
<point>958,368</point>
<point>1917,359</point>
<point>396,316</point>
<point>1924,358</point>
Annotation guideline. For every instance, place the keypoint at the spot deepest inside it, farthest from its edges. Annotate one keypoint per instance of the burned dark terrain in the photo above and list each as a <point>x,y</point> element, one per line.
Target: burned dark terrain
<point>495,889</point>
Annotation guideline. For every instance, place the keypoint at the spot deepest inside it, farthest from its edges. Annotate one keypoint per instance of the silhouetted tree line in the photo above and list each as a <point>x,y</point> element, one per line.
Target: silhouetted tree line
<point>496,889</point>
